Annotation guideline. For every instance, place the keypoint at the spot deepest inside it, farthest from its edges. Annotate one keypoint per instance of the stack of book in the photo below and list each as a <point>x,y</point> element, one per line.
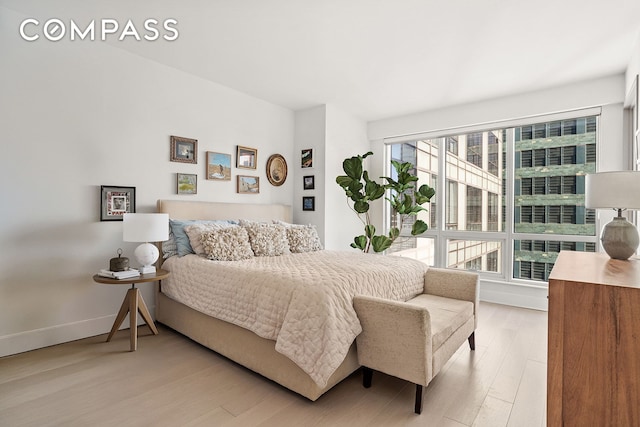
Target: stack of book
<point>126,274</point>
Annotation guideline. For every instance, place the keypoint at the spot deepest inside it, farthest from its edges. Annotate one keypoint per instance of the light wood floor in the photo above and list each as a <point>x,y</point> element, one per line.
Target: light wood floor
<point>172,381</point>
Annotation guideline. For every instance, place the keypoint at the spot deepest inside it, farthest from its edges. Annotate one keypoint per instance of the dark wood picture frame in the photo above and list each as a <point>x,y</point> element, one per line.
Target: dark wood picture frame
<point>116,201</point>
<point>184,150</point>
<point>276,170</point>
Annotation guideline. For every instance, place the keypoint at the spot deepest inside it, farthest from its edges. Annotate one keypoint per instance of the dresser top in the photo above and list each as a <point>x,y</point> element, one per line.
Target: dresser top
<point>596,268</point>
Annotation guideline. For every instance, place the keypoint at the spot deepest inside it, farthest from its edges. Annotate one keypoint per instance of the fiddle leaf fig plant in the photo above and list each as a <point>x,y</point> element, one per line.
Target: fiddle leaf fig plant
<point>406,200</point>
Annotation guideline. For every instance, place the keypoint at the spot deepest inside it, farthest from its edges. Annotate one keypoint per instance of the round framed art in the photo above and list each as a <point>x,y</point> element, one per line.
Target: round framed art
<point>276,170</point>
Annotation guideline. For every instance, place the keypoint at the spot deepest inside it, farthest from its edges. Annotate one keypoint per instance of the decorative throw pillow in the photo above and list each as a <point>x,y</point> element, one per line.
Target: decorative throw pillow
<point>169,247</point>
<point>182,240</point>
<point>266,239</point>
<point>194,232</point>
<point>226,244</point>
<point>303,238</point>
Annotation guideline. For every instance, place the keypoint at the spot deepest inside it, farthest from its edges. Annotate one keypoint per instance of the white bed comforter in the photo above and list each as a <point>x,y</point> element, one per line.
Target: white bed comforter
<point>301,301</point>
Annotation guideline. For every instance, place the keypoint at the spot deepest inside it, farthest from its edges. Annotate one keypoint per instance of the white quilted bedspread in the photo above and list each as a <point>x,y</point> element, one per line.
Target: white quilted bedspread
<point>301,301</point>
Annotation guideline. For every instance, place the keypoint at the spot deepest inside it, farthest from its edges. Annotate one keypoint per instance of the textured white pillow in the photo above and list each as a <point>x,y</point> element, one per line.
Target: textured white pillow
<point>226,244</point>
<point>303,238</point>
<point>195,231</point>
<point>266,239</point>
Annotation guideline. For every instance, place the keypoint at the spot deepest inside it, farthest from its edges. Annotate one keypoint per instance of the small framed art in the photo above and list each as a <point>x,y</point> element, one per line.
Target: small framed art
<point>246,157</point>
<point>309,182</point>
<point>276,170</point>
<point>306,158</point>
<point>187,183</point>
<point>184,150</point>
<point>218,166</point>
<point>116,201</point>
<point>248,184</point>
<point>309,203</point>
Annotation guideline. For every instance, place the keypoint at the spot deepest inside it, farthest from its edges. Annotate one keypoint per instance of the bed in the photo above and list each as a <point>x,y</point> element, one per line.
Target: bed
<point>278,352</point>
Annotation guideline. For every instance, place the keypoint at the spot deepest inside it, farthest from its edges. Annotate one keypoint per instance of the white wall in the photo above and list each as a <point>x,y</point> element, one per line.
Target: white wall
<point>310,133</point>
<point>346,137</point>
<point>79,115</point>
<point>634,66</point>
<point>333,135</point>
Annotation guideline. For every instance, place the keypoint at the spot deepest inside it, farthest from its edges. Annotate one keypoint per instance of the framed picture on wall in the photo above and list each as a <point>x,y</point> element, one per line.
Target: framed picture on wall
<point>248,184</point>
<point>218,166</point>
<point>309,182</point>
<point>276,170</point>
<point>184,150</point>
<point>116,201</point>
<point>306,158</point>
<point>187,183</point>
<point>308,203</point>
<point>246,158</point>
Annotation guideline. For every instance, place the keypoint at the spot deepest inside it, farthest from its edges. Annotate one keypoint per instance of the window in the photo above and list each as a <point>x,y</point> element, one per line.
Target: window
<point>474,208</point>
<point>532,175</point>
<point>474,149</point>
<point>452,205</point>
<point>492,212</point>
<point>452,144</point>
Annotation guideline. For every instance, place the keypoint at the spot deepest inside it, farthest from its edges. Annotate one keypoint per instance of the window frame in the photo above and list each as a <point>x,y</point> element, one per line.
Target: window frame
<point>507,236</point>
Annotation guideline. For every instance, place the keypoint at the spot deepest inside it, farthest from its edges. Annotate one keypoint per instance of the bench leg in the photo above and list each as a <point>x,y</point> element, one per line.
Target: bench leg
<point>472,340</point>
<point>367,376</point>
<point>418,408</point>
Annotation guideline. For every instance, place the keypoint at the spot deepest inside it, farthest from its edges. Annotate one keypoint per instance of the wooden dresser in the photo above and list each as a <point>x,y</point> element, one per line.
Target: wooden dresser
<point>593,371</point>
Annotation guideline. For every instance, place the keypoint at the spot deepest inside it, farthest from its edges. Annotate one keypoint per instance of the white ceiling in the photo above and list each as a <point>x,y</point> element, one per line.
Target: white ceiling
<point>377,58</point>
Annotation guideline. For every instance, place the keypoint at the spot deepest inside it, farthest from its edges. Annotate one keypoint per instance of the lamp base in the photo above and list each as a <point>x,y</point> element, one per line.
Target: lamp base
<point>146,269</point>
<point>147,254</point>
<point>620,238</point>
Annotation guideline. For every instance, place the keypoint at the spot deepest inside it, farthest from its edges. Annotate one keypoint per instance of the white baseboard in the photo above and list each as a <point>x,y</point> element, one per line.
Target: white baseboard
<point>518,295</point>
<point>45,337</point>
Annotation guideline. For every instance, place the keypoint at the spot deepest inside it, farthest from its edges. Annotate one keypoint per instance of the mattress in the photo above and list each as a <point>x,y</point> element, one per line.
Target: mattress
<point>302,301</point>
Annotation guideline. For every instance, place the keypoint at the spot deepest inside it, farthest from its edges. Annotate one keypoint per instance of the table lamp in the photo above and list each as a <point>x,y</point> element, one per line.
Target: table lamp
<point>618,191</point>
<point>146,227</point>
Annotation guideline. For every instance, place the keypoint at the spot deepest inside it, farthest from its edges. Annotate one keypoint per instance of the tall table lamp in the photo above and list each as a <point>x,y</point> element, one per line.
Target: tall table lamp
<point>618,191</point>
<point>147,228</point>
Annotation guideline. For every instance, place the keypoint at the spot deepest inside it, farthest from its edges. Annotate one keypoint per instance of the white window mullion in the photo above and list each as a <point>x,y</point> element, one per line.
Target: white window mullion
<point>509,160</point>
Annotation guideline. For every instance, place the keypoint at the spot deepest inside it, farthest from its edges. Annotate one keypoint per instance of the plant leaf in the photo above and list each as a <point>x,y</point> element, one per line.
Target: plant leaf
<point>380,243</point>
<point>353,167</point>
<point>419,227</point>
<point>369,230</point>
<point>359,242</point>
<point>394,232</point>
<point>343,181</point>
<point>361,206</point>
<point>426,191</point>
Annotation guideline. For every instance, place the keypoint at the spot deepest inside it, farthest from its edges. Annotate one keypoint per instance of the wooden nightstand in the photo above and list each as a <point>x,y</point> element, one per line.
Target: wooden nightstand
<point>133,303</point>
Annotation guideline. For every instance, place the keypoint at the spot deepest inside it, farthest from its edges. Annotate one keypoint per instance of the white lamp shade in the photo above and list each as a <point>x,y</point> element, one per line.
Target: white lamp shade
<point>145,227</point>
<point>616,190</point>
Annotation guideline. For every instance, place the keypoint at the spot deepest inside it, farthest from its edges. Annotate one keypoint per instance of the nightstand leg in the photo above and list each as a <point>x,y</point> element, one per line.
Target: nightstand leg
<point>133,294</point>
<point>144,312</point>
<point>124,309</point>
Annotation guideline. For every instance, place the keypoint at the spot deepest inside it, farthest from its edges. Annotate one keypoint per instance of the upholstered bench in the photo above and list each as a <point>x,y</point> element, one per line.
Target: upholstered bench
<point>412,340</point>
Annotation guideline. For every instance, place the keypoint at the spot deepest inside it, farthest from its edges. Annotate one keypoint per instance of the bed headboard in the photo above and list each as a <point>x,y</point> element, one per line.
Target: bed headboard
<point>180,209</point>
